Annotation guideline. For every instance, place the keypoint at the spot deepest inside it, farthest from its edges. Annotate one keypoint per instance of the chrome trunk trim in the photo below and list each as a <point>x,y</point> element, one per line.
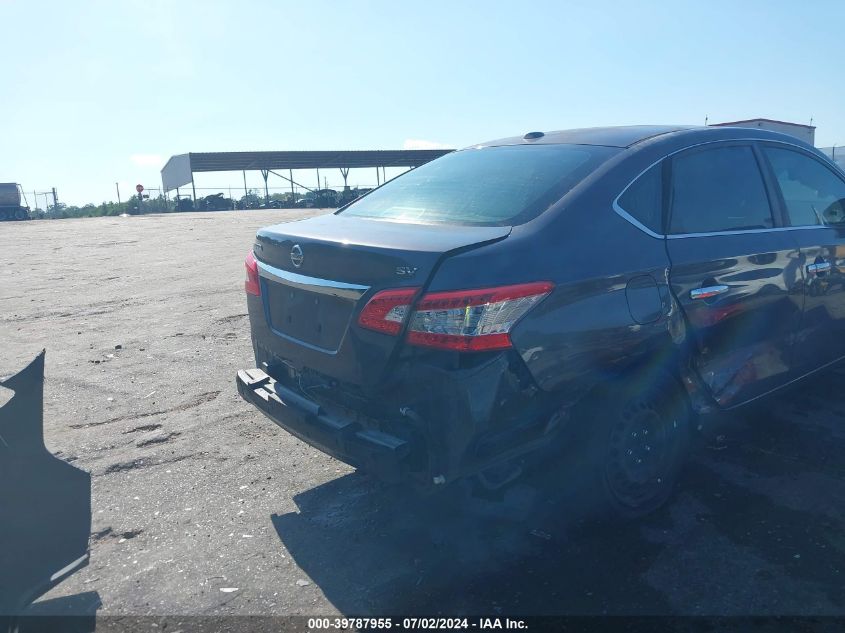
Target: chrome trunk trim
<point>311,284</point>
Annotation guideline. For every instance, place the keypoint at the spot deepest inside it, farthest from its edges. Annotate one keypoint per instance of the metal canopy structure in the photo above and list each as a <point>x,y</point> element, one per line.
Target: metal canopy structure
<point>179,170</point>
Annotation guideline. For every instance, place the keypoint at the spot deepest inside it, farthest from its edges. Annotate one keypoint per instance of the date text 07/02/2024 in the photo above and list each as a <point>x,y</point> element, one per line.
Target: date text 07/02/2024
<point>317,624</point>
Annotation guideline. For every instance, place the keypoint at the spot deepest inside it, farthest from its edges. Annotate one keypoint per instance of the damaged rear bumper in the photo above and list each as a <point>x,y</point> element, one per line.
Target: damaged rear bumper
<point>428,426</point>
<point>374,451</point>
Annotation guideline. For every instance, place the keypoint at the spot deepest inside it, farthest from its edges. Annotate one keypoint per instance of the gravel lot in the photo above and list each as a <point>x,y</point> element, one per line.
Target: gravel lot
<point>194,492</point>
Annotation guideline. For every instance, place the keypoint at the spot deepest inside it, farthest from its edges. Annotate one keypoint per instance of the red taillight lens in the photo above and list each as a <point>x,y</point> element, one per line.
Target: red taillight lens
<point>251,284</point>
<point>473,320</point>
<point>387,310</point>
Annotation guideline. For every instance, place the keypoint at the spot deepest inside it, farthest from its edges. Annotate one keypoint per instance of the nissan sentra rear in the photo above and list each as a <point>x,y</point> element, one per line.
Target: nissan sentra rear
<point>379,342</point>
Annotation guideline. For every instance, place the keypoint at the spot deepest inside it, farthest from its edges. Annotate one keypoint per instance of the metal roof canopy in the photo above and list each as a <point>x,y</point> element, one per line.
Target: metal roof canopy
<point>179,170</point>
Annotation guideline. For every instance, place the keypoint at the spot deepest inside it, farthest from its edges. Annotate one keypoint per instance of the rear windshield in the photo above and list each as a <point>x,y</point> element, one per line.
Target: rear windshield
<point>490,186</point>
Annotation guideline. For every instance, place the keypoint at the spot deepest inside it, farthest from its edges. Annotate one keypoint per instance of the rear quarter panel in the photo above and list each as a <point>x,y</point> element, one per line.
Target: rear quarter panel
<point>606,272</point>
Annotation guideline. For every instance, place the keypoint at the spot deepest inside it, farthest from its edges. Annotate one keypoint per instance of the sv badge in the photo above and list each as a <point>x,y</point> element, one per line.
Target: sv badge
<point>406,271</point>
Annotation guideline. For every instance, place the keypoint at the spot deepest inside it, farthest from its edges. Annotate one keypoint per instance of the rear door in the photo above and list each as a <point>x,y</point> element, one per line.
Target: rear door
<point>735,273</point>
<point>813,194</point>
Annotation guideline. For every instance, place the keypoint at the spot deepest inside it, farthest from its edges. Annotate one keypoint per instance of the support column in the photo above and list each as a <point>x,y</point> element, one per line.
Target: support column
<point>264,174</point>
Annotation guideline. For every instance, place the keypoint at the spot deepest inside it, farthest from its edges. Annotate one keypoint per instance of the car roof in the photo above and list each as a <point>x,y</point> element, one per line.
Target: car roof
<point>630,135</point>
<point>620,136</point>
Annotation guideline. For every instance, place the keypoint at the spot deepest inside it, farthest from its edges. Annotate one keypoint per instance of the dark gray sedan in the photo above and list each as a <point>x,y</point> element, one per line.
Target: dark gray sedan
<point>586,294</point>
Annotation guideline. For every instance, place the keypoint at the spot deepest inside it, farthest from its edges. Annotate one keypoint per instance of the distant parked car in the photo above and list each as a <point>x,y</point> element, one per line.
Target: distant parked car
<point>325,198</point>
<point>592,294</point>
<point>348,195</point>
<point>215,202</point>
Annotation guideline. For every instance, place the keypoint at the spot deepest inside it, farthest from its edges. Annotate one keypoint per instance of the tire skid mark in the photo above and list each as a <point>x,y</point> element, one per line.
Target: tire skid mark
<point>195,402</point>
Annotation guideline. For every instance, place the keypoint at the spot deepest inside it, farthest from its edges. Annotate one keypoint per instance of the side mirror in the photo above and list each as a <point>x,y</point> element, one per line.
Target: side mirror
<point>835,213</point>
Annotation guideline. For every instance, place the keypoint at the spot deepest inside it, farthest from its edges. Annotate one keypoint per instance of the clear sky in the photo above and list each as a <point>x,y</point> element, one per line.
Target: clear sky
<point>98,92</point>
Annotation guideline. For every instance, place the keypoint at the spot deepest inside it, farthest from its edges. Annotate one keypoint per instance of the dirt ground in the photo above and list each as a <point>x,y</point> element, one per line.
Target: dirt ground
<point>203,506</point>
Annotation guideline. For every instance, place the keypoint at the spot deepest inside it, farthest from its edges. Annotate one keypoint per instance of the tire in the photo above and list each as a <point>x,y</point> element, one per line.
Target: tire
<point>636,441</point>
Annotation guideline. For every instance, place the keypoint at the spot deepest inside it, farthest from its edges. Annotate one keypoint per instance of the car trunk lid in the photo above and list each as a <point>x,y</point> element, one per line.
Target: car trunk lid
<point>317,275</point>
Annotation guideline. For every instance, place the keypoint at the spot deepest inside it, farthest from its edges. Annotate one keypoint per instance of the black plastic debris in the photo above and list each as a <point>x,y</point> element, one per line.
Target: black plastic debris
<point>45,503</point>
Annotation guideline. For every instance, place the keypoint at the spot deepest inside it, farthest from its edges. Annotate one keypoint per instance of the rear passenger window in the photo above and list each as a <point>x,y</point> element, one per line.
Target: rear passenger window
<point>643,199</point>
<point>718,189</point>
<point>812,192</point>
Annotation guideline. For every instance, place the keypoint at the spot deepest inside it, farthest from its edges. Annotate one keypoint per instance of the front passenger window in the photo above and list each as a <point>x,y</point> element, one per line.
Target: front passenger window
<point>718,189</point>
<point>813,194</point>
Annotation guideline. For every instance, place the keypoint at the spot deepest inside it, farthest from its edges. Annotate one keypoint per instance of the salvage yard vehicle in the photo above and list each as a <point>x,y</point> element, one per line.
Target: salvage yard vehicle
<point>594,292</point>
<point>11,207</point>
<point>215,202</point>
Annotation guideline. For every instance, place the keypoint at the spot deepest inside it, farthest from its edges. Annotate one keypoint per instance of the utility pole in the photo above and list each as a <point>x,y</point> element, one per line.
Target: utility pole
<point>117,186</point>
<point>55,199</point>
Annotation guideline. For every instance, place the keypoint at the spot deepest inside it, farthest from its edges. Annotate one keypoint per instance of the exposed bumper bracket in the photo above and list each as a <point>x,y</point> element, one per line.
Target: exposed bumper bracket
<point>382,454</point>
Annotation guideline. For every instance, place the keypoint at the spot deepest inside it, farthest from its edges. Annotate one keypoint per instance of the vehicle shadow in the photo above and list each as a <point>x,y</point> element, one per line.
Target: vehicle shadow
<point>751,531</point>
<point>69,614</point>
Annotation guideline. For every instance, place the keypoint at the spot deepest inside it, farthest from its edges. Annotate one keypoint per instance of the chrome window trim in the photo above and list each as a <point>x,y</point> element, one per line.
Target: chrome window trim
<point>777,229</point>
<point>311,284</point>
<point>630,218</point>
<point>676,236</point>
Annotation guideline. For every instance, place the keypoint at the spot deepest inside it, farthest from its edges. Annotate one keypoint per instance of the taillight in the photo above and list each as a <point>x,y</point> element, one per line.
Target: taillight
<point>251,284</point>
<point>387,310</point>
<point>473,320</point>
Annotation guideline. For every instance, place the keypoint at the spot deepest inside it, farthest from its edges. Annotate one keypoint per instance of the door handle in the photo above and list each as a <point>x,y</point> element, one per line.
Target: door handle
<point>819,267</point>
<point>708,291</point>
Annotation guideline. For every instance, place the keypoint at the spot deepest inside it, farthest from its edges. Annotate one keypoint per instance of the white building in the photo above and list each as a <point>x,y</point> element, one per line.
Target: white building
<point>806,133</point>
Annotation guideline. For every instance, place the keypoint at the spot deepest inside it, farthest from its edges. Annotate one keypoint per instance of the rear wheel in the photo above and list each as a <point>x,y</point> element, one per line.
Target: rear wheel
<point>638,441</point>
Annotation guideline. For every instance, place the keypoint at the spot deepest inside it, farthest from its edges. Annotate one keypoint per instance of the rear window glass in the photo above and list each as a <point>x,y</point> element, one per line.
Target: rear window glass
<point>718,190</point>
<point>489,186</point>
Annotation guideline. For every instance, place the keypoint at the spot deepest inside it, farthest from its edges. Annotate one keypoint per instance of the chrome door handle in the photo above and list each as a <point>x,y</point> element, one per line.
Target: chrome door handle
<point>708,291</point>
<point>820,267</point>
